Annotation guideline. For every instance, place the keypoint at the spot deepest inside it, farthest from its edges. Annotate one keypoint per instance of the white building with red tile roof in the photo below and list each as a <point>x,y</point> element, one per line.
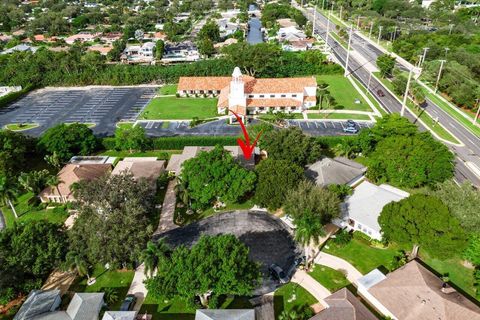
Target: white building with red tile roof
<point>248,95</point>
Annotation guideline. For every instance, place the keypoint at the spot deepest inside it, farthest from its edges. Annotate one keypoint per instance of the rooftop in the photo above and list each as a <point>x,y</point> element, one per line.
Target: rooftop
<point>37,303</point>
<point>338,170</point>
<point>228,314</point>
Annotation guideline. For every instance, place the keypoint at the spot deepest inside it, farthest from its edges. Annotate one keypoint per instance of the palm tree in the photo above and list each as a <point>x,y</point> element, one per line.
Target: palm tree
<point>53,182</point>
<point>309,230</point>
<point>77,262</point>
<point>183,193</point>
<point>111,295</point>
<point>153,254</point>
<point>8,191</point>
<point>322,91</point>
<point>346,149</point>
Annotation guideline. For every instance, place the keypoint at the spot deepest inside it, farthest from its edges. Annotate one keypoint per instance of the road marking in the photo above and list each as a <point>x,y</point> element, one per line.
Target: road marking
<point>308,126</point>
<point>333,124</point>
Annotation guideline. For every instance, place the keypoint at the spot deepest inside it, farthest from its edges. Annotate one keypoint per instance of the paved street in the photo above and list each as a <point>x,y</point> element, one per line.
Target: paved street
<point>469,153</point>
<point>103,106</point>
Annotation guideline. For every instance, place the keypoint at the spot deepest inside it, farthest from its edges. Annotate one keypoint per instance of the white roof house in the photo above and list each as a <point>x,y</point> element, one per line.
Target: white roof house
<point>119,315</point>
<point>361,210</point>
<point>227,314</point>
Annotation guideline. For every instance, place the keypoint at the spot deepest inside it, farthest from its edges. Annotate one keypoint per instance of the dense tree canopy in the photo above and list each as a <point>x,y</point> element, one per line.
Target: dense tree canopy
<point>423,220</point>
<point>385,63</point>
<point>28,253</point>
<point>292,145</point>
<point>15,150</point>
<point>275,179</point>
<point>214,266</point>
<point>215,175</point>
<point>131,139</point>
<point>68,140</point>
<point>112,224</point>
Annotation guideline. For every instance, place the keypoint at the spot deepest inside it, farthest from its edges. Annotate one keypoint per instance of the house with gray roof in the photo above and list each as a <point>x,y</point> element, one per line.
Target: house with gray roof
<point>338,170</point>
<point>225,314</point>
<point>39,302</point>
<point>343,305</point>
<point>119,315</point>
<point>361,210</point>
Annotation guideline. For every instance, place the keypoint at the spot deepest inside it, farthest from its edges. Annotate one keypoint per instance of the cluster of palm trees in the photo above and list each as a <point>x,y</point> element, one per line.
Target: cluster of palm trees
<point>153,255</point>
<point>324,95</point>
<point>33,182</point>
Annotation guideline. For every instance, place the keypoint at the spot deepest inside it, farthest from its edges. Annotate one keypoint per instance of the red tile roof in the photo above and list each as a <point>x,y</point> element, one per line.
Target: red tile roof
<point>280,85</point>
<point>284,102</point>
<point>203,83</point>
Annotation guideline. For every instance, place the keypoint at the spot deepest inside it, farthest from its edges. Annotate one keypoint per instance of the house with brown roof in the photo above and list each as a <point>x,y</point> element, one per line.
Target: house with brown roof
<point>248,95</point>
<point>68,176</point>
<point>148,168</point>
<point>413,292</point>
<point>343,305</point>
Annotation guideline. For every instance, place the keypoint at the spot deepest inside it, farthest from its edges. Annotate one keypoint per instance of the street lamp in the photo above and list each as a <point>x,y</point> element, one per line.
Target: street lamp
<point>405,96</point>
<point>371,29</point>
<point>439,74</point>
<point>478,112</point>
<point>446,52</point>
<point>424,55</point>
<point>379,33</point>
<point>348,51</point>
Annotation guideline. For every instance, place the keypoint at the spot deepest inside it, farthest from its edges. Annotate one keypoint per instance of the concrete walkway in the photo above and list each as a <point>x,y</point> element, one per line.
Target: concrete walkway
<point>137,287</point>
<point>339,264</point>
<point>311,285</point>
<point>168,209</point>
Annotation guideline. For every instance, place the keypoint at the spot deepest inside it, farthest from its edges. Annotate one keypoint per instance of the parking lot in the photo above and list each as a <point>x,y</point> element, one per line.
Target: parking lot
<point>103,106</point>
<point>221,128</point>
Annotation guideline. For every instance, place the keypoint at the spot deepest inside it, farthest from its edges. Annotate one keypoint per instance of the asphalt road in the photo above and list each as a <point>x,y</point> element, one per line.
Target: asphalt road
<point>103,106</point>
<point>471,150</point>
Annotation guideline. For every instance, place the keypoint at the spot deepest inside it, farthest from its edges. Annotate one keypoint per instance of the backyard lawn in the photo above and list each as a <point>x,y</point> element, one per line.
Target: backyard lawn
<point>291,297</point>
<point>173,108</point>
<point>330,278</point>
<point>28,213</point>
<point>344,93</point>
<point>361,255</point>
<point>119,280</point>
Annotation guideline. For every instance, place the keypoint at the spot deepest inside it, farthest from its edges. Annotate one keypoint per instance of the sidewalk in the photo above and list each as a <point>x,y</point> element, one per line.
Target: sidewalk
<point>339,264</point>
<point>168,209</point>
<point>137,287</point>
<point>311,285</point>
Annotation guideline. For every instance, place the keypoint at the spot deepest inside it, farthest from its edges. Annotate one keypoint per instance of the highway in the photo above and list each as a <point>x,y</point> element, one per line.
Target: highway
<point>468,153</point>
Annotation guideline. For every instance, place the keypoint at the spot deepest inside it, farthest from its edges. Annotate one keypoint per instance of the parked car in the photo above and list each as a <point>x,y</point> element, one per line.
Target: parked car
<point>380,93</point>
<point>278,273</point>
<point>350,130</point>
<point>351,123</point>
<point>128,303</point>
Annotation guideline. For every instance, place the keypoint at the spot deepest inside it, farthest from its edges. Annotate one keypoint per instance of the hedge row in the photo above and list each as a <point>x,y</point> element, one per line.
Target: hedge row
<point>11,97</point>
<point>332,141</point>
<point>177,143</point>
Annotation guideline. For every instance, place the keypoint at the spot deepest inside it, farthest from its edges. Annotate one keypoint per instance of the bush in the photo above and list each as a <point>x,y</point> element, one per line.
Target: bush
<point>342,238</point>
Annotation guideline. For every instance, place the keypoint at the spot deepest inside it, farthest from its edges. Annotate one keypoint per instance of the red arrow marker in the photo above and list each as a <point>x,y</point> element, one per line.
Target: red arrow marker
<point>246,147</point>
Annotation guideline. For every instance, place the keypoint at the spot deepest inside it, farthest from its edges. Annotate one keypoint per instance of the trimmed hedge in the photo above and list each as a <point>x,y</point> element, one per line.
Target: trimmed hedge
<point>11,97</point>
<point>178,143</point>
<point>333,141</point>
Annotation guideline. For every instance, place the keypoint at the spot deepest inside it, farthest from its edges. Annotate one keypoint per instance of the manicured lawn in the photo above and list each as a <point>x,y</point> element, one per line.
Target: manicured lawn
<point>28,213</point>
<point>330,278</point>
<point>344,93</point>
<point>361,255</point>
<point>337,116</point>
<point>160,154</point>
<point>168,89</point>
<point>457,273</point>
<point>173,108</point>
<point>21,126</point>
<point>120,280</point>
<point>291,296</point>
<point>177,309</point>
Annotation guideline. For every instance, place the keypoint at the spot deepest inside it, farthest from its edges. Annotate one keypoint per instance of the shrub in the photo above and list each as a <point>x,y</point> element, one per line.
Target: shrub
<point>342,238</point>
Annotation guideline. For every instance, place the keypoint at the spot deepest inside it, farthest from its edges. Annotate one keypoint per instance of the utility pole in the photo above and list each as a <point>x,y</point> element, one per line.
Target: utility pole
<point>348,50</point>
<point>341,9</point>
<point>439,74</point>
<point>371,29</point>
<point>358,22</point>
<point>394,34</point>
<point>323,5</point>
<point>478,112</point>
<point>446,52</point>
<point>450,31</point>
<point>424,55</point>
<point>405,96</point>
<point>379,33</point>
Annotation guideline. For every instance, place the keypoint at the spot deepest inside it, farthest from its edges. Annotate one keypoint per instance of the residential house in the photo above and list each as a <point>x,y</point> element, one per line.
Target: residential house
<point>338,170</point>
<point>413,292</point>
<point>120,315</point>
<point>227,42</point>
<point>5,37</point>
<point>68,176</point>
<point>248,95</point>
<point>298,45</point>
<point>176,160</point>
<point>286,23</point>
<point>185,51</point>
<point>343,305</point>
<point>148,168</point>
<point>44,305</point>
<point>139,54</point>
<point>361,210</point>
<point>82,37</point>
<point>102,49</point>
<point>22,48</point>
<point>226,27</point>
<point>111,37</point>
<point>225,314</point>
<point>290,34</point>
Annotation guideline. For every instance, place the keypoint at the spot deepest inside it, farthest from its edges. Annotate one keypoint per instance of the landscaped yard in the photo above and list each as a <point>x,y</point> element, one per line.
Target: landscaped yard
<point>173,108</point>
<point>26,212</point>
<point>338,116</point>
<point>344,93</point>
<point>168,89</point>
<point>330,278</point>
<point>292,297</point>
<point>119,280</point>
<point>361,255</point>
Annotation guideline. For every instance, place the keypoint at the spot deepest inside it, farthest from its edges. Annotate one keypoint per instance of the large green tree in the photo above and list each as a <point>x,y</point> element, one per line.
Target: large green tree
<point>385,63</point>
<point>131,139</point>
<point>290,144</point>
<point>214,266</point>
<point>112,224</point>
<point>423,220</point>
<point>68,140</point>
<point>275,179</point>
<point>253,59</point>
<point>28,253</point>
<point>15,150</point>
<point>215,176</point>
